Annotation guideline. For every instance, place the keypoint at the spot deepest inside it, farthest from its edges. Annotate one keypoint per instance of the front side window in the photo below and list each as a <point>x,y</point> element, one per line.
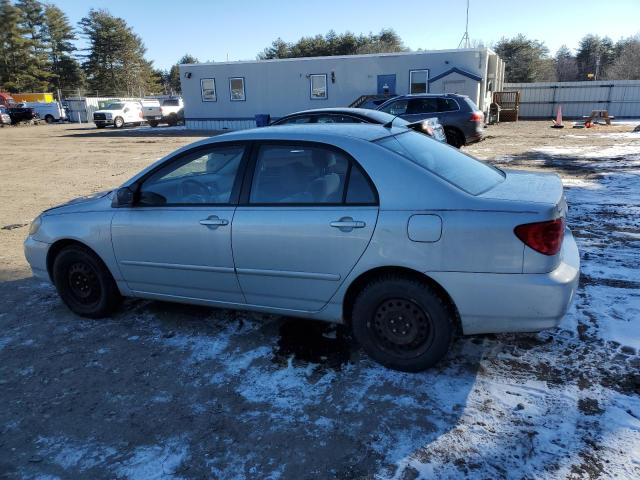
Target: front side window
<point>463,171</point>
<point>204,176</point>
<point>208,89</point>
<point>418,81</point>
<point>399,107</point>
<point>298,174</point>
<point>318,84</point>
<point>236,86</point>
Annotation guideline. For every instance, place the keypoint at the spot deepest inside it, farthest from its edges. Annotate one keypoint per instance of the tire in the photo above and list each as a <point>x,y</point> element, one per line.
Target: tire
<point>454,138</point>
<point>153,124</point>
<point>49,118</point>
<point>423,337</point>
<point>84,283</point>
<point>118,122</point>
<point>172,121</point>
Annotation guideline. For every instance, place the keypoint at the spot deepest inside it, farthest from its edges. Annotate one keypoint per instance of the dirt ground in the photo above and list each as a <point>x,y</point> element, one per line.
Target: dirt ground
<point>170,391</point>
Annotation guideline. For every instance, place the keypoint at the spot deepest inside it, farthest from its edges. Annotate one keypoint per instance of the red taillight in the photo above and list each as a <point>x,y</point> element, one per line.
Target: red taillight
<point>477,117</point>
<point>543,237</point>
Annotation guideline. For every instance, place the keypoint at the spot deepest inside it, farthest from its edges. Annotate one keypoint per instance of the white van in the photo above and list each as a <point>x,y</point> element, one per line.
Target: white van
<point>49,112</point>
<point>119,113</point>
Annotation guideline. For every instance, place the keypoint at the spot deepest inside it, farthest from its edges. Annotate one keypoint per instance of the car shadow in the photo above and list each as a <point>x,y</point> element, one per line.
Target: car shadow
<point>142,131</point>
<point>229,392</point>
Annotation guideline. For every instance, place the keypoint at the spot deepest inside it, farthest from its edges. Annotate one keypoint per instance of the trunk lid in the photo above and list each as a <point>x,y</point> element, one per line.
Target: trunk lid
<point>526,187</point>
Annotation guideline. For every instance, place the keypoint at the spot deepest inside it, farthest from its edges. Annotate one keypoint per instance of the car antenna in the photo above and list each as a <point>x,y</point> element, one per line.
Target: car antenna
<point>389,124</point>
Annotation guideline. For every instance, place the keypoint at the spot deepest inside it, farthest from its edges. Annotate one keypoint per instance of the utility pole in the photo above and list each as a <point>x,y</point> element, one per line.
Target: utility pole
<point>464,42</point>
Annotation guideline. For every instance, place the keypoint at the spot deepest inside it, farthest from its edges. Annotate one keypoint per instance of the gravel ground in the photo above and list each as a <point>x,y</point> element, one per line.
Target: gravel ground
<point>172,391</point>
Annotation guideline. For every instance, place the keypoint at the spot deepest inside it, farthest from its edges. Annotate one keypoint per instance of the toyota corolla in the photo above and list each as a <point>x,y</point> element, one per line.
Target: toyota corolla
<point>404,239</point>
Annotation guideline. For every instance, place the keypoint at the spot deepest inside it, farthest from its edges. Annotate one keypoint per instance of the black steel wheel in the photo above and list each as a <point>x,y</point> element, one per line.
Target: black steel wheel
<point>402,323</point>
<point>84,283</point>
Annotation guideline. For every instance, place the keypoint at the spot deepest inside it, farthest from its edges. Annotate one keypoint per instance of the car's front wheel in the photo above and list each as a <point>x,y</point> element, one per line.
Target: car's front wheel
<point>402,323</point>
<point>84,283</point>
<point>118,122</point>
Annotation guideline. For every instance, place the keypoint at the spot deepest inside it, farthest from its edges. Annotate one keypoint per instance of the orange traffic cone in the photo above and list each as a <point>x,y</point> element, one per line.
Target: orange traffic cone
<point>557,123</point>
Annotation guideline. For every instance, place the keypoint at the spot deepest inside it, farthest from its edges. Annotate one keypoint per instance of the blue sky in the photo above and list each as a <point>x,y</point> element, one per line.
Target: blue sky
<point>211,30</point>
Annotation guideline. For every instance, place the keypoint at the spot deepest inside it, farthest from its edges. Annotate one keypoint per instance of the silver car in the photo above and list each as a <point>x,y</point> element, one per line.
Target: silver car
<point>403,238</point>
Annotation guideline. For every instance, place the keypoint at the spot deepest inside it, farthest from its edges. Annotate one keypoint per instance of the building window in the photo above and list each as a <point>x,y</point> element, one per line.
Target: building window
<point>208,89</point>
<point>418,81</point>
<point>318,84</point>
<point>236,87</point>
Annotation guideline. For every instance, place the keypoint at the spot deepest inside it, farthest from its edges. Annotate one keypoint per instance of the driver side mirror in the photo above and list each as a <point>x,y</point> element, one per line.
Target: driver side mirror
<point>124,197</point>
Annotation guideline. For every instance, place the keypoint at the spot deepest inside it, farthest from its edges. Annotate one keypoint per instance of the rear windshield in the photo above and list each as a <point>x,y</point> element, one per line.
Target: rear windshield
<point>384,117</point>
<point>457,168</point>
<point>171,103</point>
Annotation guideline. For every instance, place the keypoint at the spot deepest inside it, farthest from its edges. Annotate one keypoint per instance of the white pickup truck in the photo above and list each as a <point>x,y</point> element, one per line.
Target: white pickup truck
<point>165,110</point>
<point>118,114</point>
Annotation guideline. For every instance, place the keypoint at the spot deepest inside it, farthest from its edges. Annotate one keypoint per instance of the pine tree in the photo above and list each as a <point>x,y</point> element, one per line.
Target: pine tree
<point>526,60</point>
<point>595,55</point>
<point>14,49</point>
<point>58,37</point>
<point>115,64</point>
<point>173,77</point>
<point>36,66</point>
<point>566,66</point>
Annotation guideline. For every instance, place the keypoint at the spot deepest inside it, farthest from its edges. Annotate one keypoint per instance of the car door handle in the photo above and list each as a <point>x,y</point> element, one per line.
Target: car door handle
<point>214,222</point>
<point>346,224</point>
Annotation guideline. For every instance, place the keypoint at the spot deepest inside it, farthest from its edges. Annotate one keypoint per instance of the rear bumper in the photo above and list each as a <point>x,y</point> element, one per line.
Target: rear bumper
<point>494,303</point>
<point>474,136</point>
<point>36,254</point>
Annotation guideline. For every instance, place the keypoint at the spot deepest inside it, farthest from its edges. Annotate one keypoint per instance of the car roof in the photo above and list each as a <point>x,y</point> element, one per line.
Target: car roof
<point>353,111</point>
<point>428,95</point>
<point>311,132</point>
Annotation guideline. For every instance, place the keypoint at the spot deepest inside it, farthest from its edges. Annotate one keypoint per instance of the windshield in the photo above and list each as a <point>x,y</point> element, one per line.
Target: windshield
<point>450,164</point>
<point>114,106</point>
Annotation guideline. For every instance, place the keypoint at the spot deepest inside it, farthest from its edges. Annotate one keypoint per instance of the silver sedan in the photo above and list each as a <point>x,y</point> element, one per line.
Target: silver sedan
<point>403,238</point>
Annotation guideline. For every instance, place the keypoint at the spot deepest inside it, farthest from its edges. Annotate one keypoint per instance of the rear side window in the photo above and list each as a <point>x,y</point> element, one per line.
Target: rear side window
<point>296,174</point>
<point>447,105</point>
<point>463,171</point>
<point>359,190</point>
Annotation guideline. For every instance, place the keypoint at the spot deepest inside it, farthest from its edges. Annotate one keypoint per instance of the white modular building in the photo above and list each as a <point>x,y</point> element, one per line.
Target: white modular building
<point>229,95</point>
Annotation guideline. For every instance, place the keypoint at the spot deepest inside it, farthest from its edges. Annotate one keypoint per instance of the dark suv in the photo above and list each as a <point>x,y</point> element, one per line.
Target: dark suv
<point>462,120</point>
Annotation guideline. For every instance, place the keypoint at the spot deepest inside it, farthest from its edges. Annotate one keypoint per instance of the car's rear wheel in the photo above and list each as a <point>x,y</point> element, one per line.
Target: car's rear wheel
<point>454,137</point>
<point>172,120</point>
<point>153,123</point>
<point>402,323</point>
<point>84,283</point>
<point>49,118</point>
<point>118,122</point>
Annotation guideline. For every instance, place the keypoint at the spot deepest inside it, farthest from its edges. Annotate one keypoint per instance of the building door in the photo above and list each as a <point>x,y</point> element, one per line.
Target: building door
<point>387,84</point>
